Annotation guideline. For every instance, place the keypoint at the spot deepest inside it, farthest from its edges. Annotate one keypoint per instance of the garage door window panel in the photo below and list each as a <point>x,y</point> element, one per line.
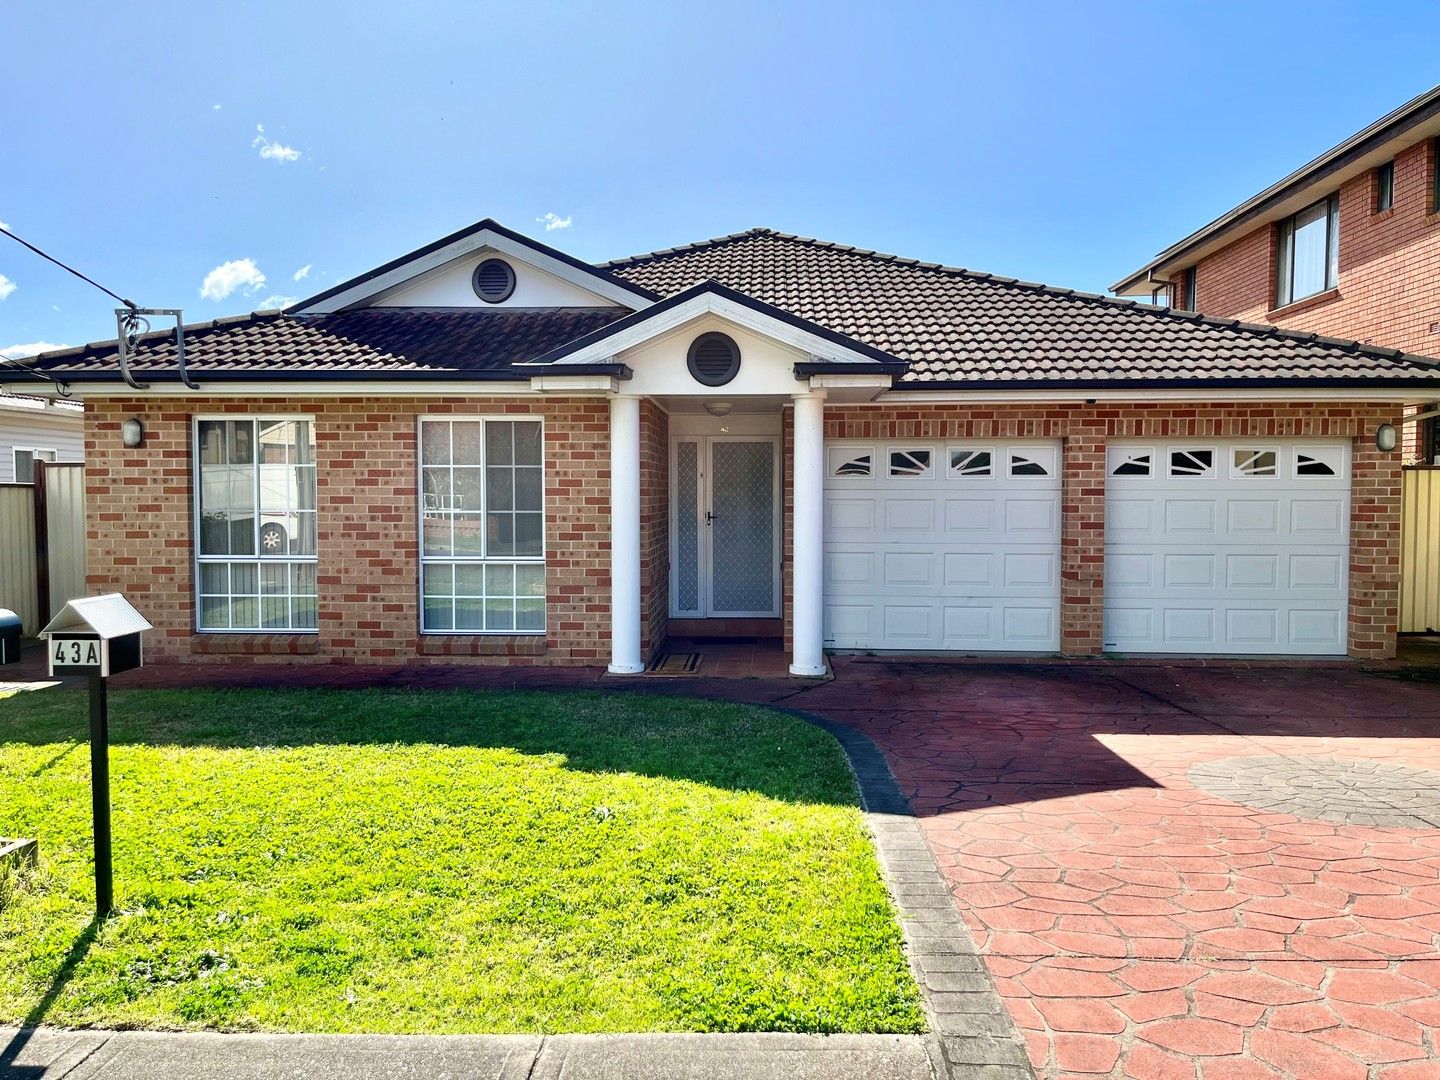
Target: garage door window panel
<point>1319,461</point>
<point>910,462</point>
<point>1032,463</point>
<point>969,462</point>
<point>1255,461</point>
<point>1192,463</point>
<point>1131,462</point>
<point>852,464</point>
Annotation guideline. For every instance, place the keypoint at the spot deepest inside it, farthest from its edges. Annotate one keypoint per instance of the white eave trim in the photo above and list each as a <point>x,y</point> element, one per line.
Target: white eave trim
<point>575,384</point>
<point>484,240</point>
<point>1395,395</point>
<point>812,345</point>
<point>318,388</point>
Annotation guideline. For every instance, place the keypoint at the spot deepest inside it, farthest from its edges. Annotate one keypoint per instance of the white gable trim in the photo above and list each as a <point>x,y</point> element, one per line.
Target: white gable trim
<point>483,239</point>
<point>709,303</point>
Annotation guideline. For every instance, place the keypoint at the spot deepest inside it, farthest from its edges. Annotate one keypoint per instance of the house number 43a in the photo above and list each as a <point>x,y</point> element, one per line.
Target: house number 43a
<point>76,652</point>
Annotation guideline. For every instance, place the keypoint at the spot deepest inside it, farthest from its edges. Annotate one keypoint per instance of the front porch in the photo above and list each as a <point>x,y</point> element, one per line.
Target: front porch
<point>717,529</point>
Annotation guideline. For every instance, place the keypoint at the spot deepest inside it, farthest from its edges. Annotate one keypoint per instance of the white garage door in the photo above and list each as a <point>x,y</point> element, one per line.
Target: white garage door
<point>1227,547</point>
<point>942,545</point>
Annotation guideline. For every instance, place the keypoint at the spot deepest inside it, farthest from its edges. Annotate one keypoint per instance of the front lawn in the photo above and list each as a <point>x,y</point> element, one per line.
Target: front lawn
<point>392,861</point>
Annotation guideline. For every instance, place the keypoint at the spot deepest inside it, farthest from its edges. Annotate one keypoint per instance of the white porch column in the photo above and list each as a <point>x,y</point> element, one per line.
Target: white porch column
<point>809,531</point>
<point>625,536</point>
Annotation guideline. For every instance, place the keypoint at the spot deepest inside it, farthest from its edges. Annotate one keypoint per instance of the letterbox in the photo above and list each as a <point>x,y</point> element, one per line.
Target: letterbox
<point>95,635</point>
<point>9,637</point>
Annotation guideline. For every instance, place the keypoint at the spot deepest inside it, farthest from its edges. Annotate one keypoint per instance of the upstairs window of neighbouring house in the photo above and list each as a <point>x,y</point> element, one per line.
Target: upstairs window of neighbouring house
<point>1187,290</point>
<point>255,524</point>
<point>25,459</point>
<point>1308,259</point>
<point>482,511</point>
<point>1385,187</point>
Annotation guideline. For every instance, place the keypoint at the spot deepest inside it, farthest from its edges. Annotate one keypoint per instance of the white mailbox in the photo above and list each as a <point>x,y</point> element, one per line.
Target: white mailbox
<point>95,635</point>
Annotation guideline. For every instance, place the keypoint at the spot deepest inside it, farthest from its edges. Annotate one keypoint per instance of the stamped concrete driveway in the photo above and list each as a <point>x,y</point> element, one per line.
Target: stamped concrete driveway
<point>1205,873</point>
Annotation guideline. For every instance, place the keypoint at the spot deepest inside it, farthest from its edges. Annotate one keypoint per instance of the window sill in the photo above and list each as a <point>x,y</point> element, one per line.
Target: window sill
<point>255,643</point>
<point>1304,304</point>
<point>443,644</point>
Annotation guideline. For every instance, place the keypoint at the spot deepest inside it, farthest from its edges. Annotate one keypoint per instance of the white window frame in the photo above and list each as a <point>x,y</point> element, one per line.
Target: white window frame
<point>197,560</point>
<point>423,560</point>
<point>16,451</point>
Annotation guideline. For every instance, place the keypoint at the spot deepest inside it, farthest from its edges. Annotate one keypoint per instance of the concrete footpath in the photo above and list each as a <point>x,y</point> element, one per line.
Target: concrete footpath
<point>142,1055</point>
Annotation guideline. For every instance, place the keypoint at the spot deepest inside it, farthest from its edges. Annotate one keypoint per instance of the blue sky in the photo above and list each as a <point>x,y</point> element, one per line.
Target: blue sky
<point>1058,142</point>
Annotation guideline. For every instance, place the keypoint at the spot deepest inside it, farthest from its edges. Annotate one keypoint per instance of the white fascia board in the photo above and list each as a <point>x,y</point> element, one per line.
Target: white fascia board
<point>482,240</point>
<point>319,388</point>
<point>851,382</point>
<point>712,304</point>
<point>1405,395</point>
<point>575,384</point>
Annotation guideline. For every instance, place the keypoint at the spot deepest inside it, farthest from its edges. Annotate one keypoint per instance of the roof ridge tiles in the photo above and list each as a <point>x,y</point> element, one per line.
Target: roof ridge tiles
<point>681,249</point>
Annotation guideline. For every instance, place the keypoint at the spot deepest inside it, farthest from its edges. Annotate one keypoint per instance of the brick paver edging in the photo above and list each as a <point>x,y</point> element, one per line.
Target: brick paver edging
<point>974,1034</point>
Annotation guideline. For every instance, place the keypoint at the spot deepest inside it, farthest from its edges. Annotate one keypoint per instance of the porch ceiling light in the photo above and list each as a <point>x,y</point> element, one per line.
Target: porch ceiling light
<point>719,408</point>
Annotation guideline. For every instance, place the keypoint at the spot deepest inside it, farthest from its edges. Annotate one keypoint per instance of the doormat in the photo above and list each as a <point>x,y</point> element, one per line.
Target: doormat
<point>675,664</point>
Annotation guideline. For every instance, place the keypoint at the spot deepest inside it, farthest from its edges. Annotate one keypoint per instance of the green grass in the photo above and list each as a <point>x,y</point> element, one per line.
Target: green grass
<point>391,861</point>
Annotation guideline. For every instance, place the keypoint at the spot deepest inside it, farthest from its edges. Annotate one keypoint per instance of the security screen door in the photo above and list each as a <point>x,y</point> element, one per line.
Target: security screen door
<point>725,528</point>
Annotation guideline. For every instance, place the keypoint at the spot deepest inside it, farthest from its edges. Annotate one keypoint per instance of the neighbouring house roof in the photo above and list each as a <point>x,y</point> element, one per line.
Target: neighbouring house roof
<point>1416,119</point>
<point>932,327</point>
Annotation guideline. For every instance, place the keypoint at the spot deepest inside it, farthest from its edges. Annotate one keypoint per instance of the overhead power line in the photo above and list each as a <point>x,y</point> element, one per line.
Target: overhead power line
<point>67,268</point>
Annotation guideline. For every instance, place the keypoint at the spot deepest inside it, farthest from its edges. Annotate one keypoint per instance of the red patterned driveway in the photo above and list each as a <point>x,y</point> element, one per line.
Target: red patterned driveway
<point>1118,842</point>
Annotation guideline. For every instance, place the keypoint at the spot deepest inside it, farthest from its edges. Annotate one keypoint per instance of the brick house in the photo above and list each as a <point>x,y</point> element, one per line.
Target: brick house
<point>1347,245</point>
<point>488,451</point>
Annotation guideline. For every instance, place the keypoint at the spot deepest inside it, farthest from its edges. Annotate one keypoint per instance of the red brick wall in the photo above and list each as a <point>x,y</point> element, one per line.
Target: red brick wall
<point>654,526</point>
<point>1085,430</point>
<point>139,521</point>
<point>1389,288</point>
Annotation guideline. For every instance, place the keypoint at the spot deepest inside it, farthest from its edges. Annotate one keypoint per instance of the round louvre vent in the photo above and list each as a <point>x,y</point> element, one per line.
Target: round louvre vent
<point>714,359</point>
<point>493,281</point>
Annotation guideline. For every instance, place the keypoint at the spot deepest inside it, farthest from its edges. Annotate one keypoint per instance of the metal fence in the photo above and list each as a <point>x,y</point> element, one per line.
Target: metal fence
<point>1420,551</point>
<point>42,543</point>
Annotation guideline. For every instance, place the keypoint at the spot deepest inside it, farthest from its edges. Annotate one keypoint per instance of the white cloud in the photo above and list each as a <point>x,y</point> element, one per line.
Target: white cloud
<point>553,221</point>
<point>6,286</point>
<point>230,276</point>
<point>271,150</point>
<point>15,352</point>
<point>275,302</point>
<point>215,108</point>
<point>302,273</point>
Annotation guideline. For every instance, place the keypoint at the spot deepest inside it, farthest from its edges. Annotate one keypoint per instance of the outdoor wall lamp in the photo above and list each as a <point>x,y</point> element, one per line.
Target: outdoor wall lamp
<point>1385,437</point>
<point>132,433</point>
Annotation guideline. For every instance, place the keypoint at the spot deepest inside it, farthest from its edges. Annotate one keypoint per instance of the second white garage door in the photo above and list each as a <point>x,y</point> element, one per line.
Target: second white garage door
<point>1227,547</point>
<point>942,546</point>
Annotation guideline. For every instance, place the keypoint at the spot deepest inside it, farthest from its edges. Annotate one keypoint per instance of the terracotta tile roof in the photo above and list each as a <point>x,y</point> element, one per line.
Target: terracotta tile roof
<point>951,325</point>
<point>379,340</point>
<point>959,325</point>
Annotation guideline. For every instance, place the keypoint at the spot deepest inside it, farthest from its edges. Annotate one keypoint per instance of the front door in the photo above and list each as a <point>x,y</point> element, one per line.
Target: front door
<point>725,527</point>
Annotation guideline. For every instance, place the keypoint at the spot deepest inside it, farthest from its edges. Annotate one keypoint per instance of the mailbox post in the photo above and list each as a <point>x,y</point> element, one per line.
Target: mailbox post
<point>97,636</point>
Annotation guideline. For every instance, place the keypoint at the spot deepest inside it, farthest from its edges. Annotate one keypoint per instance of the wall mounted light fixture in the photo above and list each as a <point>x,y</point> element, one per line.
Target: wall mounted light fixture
<point>132,433</point>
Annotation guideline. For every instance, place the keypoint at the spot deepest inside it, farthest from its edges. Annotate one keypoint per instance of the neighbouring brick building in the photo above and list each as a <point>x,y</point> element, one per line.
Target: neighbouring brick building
<point>1347,246</point>
<point>488,451</point>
